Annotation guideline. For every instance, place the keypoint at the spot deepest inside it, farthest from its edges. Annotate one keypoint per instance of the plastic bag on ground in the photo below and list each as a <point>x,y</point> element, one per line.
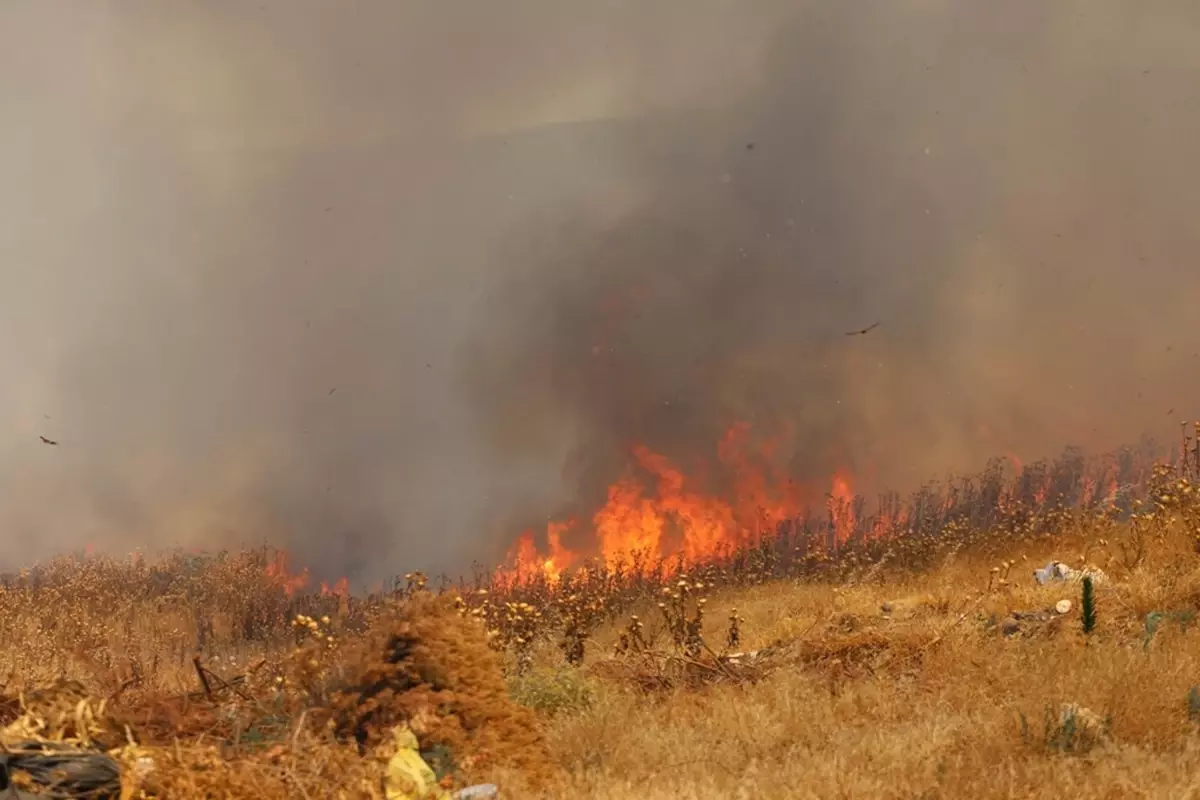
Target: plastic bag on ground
<point>1057,571</point>
<point>59,771</point>
<point>408,776</point>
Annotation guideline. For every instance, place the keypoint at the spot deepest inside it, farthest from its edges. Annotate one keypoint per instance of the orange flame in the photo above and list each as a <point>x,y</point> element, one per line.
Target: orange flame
<point>629,523</point>
<point>340,588</point>
<point>522,560</point>
<point>656,511</point>
<point>525,561</point>
<point>560,557</point>
<point>841,507</point>
<point>890,519</point>
<point>278,571</point>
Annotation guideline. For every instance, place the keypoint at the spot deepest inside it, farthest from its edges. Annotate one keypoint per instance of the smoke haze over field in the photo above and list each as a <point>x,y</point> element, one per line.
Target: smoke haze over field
<point>384,285</point>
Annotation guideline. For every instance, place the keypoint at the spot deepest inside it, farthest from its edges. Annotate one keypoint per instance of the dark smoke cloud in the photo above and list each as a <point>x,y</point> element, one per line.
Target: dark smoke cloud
<point>362,281</point>
<point>1005,189</point>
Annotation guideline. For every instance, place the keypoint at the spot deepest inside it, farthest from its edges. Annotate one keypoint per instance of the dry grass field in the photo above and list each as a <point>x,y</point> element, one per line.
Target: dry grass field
<point>920,666</point>
<point>644,322</point>
<point>925,702</point>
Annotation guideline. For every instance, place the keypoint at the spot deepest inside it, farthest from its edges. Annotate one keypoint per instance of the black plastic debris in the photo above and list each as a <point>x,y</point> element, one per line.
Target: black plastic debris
<point>59,771</point>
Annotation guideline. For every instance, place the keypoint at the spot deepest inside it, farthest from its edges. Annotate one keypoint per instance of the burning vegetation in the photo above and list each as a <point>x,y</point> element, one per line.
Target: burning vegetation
<point>658,514</point>
<point>650,311</point>
<point>202,675</point>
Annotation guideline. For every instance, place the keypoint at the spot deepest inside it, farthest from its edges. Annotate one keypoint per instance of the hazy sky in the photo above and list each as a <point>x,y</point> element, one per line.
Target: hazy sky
<point>380,280</point>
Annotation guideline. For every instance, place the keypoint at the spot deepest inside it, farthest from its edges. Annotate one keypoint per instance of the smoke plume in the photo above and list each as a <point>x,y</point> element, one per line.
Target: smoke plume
<point>379,284</point>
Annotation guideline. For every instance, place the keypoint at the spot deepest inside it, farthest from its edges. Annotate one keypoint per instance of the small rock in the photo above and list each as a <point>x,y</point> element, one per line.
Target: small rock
<point>1010,627</point>
<point>1063,606</point>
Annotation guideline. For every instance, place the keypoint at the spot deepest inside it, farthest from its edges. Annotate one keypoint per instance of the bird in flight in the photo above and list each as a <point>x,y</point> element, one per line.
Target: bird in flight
<point>48,441</point>
<point>867,329</point>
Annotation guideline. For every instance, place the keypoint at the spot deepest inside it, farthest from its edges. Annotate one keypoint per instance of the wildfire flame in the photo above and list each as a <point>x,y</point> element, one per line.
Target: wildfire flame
<point>279,571</point>
<point>655,511</point>
<point>841,507</point>
<point>340,588</point>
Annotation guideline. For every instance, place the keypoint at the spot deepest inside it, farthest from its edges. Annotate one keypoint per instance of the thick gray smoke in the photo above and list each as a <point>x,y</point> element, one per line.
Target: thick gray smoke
<point>1004,188</point>
<point>361,282</point>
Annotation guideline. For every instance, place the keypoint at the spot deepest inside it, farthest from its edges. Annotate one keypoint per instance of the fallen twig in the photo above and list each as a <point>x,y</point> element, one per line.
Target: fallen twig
<point>954,624</point>
<point>203,678</point>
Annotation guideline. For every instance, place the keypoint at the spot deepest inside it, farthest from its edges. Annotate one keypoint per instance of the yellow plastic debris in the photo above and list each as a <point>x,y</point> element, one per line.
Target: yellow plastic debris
<point>408,776</point>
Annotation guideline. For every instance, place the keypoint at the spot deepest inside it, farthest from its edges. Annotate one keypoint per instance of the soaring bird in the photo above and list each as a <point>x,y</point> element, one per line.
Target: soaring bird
<point>48,441</point>
<point>867,329</point>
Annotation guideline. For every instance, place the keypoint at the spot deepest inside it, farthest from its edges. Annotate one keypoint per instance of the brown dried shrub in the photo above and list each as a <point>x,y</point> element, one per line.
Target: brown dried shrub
<point>427,665</point>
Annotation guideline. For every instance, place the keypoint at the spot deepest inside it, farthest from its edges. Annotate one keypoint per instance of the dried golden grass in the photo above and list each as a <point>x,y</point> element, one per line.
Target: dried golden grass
<point>882,679</point>
<point>923,707</point>
<point>309,724</point>
<point>428,665</point>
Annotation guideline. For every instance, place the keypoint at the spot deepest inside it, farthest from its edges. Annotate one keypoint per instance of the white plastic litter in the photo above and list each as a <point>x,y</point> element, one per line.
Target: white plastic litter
<point>1057,571</point>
